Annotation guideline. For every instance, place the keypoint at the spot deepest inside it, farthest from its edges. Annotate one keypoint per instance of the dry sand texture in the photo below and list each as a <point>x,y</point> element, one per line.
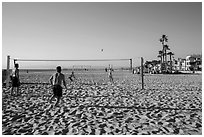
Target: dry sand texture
<point>169,104</point>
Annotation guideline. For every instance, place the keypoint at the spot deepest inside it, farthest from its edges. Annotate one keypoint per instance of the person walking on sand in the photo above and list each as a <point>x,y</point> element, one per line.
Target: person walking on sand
<point>56,80</point>
<point>72,76</point>
<point>110,75</point>
<point>15,80</point>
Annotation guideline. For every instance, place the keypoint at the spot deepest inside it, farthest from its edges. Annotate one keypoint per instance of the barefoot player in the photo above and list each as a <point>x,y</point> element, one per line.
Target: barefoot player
<point>110,75</point>
<point>57,80</point>
<point>72,76</point>
<point>15,80</point>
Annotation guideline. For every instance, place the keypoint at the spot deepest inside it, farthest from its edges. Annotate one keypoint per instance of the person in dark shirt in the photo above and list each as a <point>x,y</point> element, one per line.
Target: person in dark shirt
<point>15,80</point>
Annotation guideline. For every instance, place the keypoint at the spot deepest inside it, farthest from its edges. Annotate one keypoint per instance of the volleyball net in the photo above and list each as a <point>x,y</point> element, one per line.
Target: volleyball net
<point>74,64</point>
<point>39,70</point>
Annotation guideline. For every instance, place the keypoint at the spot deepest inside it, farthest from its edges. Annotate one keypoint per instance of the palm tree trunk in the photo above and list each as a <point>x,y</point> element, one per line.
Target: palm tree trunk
<point>161,65</point>
<point>170,63</point>
<point>163,58</point>
<point>165,63</point>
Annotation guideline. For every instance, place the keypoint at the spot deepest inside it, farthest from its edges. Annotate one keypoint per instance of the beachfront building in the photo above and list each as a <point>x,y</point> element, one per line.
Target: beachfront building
<point>190,63</point>
<point>152,67</point>
<point>179,65</point>
<point>194,62</point>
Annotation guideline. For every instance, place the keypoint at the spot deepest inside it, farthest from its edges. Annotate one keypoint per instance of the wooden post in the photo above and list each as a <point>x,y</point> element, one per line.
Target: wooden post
<point>8,71</point>
<point>130,64</point>
<point>14,61</point>
<point>142,72</point>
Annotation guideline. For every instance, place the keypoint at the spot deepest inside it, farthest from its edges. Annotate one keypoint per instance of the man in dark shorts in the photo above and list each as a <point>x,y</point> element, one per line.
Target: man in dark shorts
<point>56,80</point>
<point>15,80</point>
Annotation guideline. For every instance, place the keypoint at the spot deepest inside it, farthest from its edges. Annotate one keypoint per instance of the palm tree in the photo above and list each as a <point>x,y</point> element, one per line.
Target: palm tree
<point>166,47</point>
<point>160,55</point>
<point>163,40</point>
<point>170,55</point>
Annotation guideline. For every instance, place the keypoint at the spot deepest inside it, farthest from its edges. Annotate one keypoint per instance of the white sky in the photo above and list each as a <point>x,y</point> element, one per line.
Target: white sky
<point>81,30</point>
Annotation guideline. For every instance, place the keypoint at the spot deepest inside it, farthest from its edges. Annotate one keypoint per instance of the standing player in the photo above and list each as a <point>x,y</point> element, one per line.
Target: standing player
<point>56,80</point>
<point>72,76</point>
<point>15,80</point>
<point>110,75</point>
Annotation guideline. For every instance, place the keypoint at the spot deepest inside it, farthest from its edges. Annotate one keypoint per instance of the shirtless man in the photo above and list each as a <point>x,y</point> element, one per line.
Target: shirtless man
<point>57,80</point>
<point>72,76</point>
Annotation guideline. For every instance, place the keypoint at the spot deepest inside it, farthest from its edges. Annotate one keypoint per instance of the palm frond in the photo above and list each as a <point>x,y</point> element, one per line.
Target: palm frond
<point>166,47</point>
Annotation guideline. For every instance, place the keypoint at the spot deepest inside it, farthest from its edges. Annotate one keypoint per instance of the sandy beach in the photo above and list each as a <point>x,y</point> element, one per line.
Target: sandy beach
<point>169,105</point>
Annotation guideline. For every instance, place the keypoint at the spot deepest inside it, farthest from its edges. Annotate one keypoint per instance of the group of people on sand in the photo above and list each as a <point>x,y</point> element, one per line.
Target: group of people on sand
<point>56,80</point>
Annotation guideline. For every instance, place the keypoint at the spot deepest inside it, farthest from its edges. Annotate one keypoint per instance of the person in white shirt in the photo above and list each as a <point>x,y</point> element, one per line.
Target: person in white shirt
<point>57,80</point>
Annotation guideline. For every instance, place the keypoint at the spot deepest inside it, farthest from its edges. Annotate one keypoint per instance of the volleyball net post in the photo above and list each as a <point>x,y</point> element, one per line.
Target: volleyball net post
<point>7,71</point>
<point>130,64</point>
<point>142,72</point>
<point>14,61</point>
